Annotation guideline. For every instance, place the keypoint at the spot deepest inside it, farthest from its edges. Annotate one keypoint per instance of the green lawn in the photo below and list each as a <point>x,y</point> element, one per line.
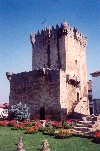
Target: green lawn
<point>9,139</point>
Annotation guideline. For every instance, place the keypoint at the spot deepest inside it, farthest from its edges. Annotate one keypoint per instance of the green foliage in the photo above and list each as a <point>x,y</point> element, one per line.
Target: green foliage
<point>41,129</point>
<point>67,125</point>
<point>9,139</point>
<point>48,131</point>
<point>47,124</point>
<point>62,134</point>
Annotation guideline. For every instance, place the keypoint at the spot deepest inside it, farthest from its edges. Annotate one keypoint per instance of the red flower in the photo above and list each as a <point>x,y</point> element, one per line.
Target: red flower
<point>13,122</point>
<point>47,120</point>
<point>68,121</point>
<point>97,134</point>
<point>32,128</point>
<point>37,120</point>
<point>27,123</point>
<point>3,123</point>
<point>38,123</point>
<point>55,123</point>
<point>76,121</point>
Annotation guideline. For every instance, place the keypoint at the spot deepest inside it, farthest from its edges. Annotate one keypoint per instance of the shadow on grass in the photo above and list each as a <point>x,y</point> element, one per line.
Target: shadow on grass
<point>96,141</point>
<point>93,140</point>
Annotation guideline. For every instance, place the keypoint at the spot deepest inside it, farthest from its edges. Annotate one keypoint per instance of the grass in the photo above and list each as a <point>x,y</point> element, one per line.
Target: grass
<point>9,139</point>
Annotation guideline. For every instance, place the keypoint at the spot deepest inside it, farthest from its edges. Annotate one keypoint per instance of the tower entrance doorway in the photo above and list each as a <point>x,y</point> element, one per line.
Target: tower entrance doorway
<point>42,113</point>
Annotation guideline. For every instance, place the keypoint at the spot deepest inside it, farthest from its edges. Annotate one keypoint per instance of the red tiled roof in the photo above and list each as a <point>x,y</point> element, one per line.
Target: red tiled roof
<point>4,105</point>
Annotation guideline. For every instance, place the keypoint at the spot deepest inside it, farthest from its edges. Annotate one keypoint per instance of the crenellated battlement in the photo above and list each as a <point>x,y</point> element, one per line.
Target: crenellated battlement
<point>49,74</point>
<point>57,32</point>
<point>41,70</point>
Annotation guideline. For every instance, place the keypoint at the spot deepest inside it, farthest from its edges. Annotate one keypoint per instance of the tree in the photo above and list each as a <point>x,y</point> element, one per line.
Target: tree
<point>19,111</point>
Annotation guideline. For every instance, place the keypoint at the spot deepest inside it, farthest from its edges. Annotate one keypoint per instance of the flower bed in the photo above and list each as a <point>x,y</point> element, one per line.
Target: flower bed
<point>32,130</point>
<point>69,124</point>
<point>28,123</point>
<point>49,131</point>
<point>62,134</point>
<point>3,123</point>
<point>52,128</point>
<point>41,129</point>
<point>18,127</point>
<point>12,123</point>
<point>57,124</point>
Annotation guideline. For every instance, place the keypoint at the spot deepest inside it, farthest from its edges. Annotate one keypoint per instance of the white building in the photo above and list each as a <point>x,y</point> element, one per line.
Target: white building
<point>4,111</point>
<point>96,91</point>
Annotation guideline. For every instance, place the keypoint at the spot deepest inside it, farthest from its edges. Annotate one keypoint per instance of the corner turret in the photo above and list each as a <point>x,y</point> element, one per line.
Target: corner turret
<point>9,75</point>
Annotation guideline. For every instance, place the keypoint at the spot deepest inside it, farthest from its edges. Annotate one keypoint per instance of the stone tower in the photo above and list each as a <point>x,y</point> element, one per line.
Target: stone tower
<point>57,85</point>
<point>63,48</point>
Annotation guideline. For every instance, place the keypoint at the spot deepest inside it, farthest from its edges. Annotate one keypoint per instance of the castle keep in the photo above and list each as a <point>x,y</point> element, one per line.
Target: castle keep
<point>57,85</point>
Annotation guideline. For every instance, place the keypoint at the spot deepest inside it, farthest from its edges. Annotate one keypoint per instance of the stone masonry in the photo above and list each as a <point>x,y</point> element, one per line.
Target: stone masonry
<point>57,84</point>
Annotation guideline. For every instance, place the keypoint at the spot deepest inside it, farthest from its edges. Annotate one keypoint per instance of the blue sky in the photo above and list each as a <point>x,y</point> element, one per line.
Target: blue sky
<point>18,18</point>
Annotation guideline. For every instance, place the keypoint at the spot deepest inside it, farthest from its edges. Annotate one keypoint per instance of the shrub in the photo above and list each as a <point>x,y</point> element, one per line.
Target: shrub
<point>12,123</point>
<point>62,134</point>
<point>38,124</point>
<point>28,123</point>
<point>97,134</point>
<point>76,121</point>
<point>67,125</point>
<point>3,123</point>
<point>33,123</point>
<point>48,120</point>
<point>48,124</point>
<point>48,131</point>
<point>68,121</point>
<point>97,137</point>
<point>41,129</point>
<point>18,127</point>
<point>19,111</point>
<point>32,130</point>
<point>57,124</point>
<point>36,120</point>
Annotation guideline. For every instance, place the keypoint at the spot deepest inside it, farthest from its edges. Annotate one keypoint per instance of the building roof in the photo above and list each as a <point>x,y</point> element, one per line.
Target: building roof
<point>95,73</point>
<point>4,105</point>
<point>89,85</point>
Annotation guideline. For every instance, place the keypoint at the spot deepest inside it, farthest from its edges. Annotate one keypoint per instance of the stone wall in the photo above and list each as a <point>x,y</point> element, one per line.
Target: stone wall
<point>75,47</point>
<point>38,89</point>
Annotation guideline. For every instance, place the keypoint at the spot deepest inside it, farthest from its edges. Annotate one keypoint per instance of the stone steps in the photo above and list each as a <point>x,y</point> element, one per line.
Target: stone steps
<point>87,126</point>
<point>80,132</point>
<point>76,132</point>
<point>82,129</point>
<point>90,118</point>
<point>82,125</point>
<point>85,122</point>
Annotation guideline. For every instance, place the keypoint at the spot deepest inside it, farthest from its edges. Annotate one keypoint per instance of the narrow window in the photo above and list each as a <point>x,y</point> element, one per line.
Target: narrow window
<point>75,62</point>
<point>77,96</point>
